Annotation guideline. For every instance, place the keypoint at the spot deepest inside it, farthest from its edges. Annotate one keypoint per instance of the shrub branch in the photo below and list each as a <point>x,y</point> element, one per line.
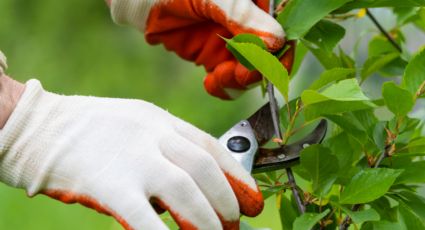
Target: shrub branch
<point>275,116</point>
<point>388,151</point>
<point>383,31</point>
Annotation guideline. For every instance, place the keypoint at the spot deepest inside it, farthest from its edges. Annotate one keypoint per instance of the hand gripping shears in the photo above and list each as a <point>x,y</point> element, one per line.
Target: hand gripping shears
<point>244,142</point>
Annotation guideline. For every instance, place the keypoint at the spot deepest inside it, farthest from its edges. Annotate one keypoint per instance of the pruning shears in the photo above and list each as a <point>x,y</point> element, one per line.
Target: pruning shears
<point>244,142</point>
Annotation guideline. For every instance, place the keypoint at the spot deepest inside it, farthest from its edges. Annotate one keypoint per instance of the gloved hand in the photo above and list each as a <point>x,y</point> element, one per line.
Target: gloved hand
<point>117,156</point>
<point>191,29</point>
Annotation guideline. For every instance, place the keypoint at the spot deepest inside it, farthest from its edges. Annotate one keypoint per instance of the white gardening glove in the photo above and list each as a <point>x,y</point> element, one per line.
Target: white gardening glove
<point>117,156</point>
<point>194,30</point>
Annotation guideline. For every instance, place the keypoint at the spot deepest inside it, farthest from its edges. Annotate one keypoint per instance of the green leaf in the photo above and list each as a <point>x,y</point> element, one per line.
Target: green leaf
<point>322,167</point>
<point>413,173</point>
<point>362,216</point>
<point>329,60</point>
<point>379,45</point>
<point>316,110</point>
<point>412,209</point>
<point>262,177</point>
<point>360,125</point>
<point>240,57</point>
<point>367,119</point>
<point>368,185</point>
<point>419,22</point>
<point>326,35</point>
<point>288,213</point>
<point>416,145</point>
<point>381,3</point>
<point>267,64</point>
<point>414,76</point>
<point>350,126</point>
<point>346,61</point>
<point>347,151</point>
<point>393,69</point>
<point>380,135</point>
<point>308,220</point>
<point>375,63</point>
<point>300,15</point>
<point>385,210</point>
<point>343,96</point>
<point>346,90</point>
<point>359,217</point>
<point>398,100</point>
<point>329,76</point>
<point>249,38</point>
<point>300,53</point>
<point>383,225</point>
<point>244,38</point>
<point>405,14</point>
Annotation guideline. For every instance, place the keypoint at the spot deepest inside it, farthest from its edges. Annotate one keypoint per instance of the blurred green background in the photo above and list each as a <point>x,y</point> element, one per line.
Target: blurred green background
<point>73,47</point>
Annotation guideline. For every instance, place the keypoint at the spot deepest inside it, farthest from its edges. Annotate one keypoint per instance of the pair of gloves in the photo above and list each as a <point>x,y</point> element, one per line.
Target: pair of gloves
<point>128,158</point>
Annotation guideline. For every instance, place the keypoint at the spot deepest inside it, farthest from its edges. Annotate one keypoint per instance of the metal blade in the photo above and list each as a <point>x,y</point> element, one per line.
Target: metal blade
<point>262,124</point>
<point>288,155</point>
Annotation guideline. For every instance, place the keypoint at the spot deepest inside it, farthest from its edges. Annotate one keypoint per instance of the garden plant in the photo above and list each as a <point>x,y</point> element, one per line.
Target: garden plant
<point>368,171</point>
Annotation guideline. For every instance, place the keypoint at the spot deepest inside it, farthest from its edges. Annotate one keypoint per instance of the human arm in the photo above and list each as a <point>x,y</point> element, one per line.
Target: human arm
<point>10,92</point>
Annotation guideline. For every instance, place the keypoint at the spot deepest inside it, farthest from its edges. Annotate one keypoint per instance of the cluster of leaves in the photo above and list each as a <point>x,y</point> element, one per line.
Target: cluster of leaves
<point>367,172</point>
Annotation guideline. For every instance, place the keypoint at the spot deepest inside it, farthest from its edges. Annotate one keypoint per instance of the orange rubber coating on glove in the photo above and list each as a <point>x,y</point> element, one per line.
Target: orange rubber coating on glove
<point>251,202</point>
<point>191,29</point>
<point>288,58</point>
<point>89,202</point>
<point>229,225</point>
<point>182,223</point>
<point>186,225</point>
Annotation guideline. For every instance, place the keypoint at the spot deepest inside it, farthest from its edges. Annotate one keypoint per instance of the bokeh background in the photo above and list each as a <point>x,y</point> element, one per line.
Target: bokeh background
<point>73,47</point>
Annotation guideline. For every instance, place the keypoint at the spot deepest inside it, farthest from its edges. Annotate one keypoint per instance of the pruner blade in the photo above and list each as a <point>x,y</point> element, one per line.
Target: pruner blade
<point>287,155</point>
<point>244,140</point>
<point>262,124</point>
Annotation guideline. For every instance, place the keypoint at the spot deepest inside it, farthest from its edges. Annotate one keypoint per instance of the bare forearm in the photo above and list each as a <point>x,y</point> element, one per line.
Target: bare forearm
<point>10,93</point>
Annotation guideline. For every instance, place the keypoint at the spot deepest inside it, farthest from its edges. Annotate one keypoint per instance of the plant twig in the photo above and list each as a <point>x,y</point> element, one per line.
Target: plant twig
<point>291,124</point>
<point>383,31</point>
<point>291,178</point>
<point>329,217</point>
<point>380,159</point>
<point>294,189</point>
<point>274,110</point>
<point>420,91</point>
<point>275,117</point>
